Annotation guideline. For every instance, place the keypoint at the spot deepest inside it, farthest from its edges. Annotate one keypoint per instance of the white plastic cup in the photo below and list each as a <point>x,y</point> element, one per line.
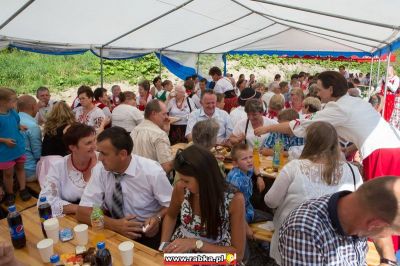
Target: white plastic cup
<point>51,226</point>
<point>45,248</point>
<point>126,251</point>
<point>81,234</point>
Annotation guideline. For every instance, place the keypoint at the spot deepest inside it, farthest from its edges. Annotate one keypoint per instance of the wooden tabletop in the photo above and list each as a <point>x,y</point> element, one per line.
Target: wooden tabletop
<point>30,255</point>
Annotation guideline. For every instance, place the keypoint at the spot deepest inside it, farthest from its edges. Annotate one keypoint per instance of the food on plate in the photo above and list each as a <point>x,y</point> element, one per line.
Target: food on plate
<point>269,170</point>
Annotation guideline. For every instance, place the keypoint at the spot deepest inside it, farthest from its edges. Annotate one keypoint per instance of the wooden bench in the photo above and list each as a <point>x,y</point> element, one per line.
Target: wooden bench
<point>34,187</point>
<point>20,204</point>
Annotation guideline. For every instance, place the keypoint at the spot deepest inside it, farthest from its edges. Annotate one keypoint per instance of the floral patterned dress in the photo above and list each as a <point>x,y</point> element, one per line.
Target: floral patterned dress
<point>191,223</point>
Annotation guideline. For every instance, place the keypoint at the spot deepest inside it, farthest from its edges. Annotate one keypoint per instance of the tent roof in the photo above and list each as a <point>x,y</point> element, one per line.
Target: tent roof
<point>125,27</point>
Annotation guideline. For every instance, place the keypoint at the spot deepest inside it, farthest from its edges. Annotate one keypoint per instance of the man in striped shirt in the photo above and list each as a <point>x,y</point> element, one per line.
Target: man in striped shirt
<point>333,229</point>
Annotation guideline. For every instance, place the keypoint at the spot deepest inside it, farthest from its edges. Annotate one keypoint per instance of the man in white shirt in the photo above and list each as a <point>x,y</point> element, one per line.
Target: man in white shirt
<point>134,190</point>
<point>150,138</point>
<point>273,88</point>
<point>209,110</point>
<point>45,104</point>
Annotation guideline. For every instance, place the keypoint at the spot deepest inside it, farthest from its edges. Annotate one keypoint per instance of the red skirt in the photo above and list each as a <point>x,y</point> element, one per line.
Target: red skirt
<point>389,105</point>
<point>380,163</point>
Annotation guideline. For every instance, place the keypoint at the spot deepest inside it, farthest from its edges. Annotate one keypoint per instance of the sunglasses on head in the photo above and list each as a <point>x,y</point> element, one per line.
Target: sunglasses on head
<point>180,159</point>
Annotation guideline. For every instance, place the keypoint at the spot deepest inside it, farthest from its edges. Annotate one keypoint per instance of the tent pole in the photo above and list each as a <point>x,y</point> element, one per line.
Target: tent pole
<point>160,63</point>
<point>22,8</point>
<point>224,59</point>
<point>383,25</point>
<point>379,70</point>
<point>370,77</point>
<point>101,68</point>
<point>198,64</point>
<point>386,80</point>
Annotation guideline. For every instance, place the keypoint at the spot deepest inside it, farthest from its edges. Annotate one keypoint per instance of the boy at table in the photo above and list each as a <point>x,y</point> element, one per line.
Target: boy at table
<point>134,190</point>
<point>287,140</point>
<point>242,176</point>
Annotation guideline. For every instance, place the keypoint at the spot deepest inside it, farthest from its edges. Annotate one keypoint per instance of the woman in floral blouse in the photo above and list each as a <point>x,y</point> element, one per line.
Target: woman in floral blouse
<point>211,211</point>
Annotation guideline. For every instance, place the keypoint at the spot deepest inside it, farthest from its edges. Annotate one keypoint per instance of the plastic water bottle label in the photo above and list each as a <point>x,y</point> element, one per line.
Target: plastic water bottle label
<point>17,232</point>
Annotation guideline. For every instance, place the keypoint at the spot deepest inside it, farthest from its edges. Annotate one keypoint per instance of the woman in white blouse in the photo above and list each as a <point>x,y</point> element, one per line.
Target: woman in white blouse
<point>243,131</point>
<point>318,172</point>
<point>180,107</point>
<point>126,115</point>
<point>68,176</point>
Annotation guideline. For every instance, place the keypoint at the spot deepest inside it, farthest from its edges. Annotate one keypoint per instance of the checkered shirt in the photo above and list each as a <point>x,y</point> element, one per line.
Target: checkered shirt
<point>312,235</point>
<point>287,140</point>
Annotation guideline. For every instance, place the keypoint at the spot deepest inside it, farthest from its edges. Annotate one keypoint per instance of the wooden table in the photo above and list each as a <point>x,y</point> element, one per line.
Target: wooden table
<point>30,255</point>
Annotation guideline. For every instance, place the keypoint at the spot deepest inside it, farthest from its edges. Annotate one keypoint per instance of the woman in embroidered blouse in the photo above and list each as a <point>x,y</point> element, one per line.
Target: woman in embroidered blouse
<point>88,113</point>
<point>144,95</point>
<point>67,177</point>
<point>244,129</point>
<point>318,171</point>
<point>211,211</point>
<point>179,106</point>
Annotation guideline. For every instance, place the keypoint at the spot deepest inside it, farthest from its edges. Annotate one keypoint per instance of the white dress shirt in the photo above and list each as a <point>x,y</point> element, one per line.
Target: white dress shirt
<point>222,117</point>
<point>223,85</point>
<point>145,189</point>
<point>237,114</point>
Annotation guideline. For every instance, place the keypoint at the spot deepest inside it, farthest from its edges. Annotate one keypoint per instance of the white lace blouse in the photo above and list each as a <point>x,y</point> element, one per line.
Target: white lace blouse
<point>64,185</point>
<point>299,181</point>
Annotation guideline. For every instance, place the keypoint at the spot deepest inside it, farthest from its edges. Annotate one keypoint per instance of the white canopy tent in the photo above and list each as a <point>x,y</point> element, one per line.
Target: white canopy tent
<point>172,28</point>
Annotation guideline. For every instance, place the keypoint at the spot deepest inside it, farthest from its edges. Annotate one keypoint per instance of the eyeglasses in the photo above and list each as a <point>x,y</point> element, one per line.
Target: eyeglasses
<point>180,159</point>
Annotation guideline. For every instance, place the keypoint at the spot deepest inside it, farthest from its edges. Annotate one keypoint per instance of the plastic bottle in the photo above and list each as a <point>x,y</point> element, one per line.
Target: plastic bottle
<point>277,155</point>
<point>55,260</point>
<point>44,212</point>
<point>103,255</point>
<point>256,154</point>
<point>16,227</point>
<point>97,221</point>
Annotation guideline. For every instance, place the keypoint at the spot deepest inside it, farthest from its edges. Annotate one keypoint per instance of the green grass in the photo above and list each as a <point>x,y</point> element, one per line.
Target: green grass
<point>25,71</point>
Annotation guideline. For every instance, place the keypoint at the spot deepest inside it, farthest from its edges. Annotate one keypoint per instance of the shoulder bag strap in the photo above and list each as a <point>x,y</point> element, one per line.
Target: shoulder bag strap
<point>354,177</point>
<point>245,131</point>
<point>188,102</point>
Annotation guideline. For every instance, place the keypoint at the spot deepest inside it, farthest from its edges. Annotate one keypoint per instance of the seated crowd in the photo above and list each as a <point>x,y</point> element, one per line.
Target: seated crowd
<point>115,152</point>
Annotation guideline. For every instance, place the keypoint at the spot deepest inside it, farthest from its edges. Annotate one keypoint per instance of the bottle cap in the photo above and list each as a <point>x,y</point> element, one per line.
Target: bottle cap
<point>42,199</point>
<point>101,245</point>
<point>12,208</point>
<point>54,258</point>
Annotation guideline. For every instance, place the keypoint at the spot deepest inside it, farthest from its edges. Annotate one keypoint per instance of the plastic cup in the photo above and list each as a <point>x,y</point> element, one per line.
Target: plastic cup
<point>45,248</point>
<point>126,251</point>
<point>81,234</point>
<point>51,226</point>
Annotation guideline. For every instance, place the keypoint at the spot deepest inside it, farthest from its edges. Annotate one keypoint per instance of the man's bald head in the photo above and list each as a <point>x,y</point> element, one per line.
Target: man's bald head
<point>380,197</point>
<point>27,104</point>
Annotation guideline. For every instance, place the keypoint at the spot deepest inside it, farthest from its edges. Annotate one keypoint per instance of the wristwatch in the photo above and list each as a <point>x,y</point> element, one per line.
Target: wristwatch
<point>199,244</point>
<point>159,218</point>
<point>388,262</point>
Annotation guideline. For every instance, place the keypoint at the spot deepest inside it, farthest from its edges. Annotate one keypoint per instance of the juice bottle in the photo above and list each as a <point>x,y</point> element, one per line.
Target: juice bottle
<point>256,154</point>
<point>97,221</point>
<point>276,161</point>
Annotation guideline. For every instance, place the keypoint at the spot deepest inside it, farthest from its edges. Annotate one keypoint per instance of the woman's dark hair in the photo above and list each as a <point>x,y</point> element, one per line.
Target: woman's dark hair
<point>156,79</point>
<point>336,80</point>
<point>98,93</point>
<point>86,90</point>
<point>239,82</point>
<point>145,84</point>
<point>201,164</point>
<point>76,132</point>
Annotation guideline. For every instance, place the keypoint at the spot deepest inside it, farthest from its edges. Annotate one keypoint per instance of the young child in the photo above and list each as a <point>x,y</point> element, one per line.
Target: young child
<point>242,176</point>
<point>287,140</point>
<point>12,147</point>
